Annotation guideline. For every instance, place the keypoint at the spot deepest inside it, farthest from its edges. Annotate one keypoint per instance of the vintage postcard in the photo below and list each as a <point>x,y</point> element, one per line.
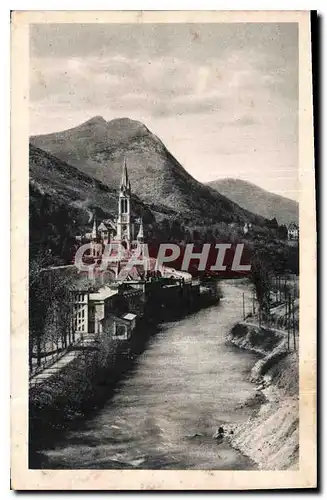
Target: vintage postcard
<point>163,251</point>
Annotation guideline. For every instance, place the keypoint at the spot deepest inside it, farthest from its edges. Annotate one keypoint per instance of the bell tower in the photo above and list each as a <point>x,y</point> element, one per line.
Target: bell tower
<point>124,209</point>
<point>140,234</point>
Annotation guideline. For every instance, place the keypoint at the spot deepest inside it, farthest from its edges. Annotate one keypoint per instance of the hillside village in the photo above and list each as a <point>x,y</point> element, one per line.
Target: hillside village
<point>67,194</point>
<point>112,302</point>
<point>87,326</point>
<point>75,204</point>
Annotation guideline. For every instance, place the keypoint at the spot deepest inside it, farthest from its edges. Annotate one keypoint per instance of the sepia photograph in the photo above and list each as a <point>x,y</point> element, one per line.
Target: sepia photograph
<point>166,301</point>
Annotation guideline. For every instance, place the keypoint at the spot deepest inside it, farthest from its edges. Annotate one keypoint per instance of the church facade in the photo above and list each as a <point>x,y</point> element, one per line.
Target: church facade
<point>120,230</point>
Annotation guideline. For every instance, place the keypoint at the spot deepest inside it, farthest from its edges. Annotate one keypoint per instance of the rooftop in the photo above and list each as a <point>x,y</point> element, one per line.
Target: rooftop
<point>104,293</point>
<point>129,316</point>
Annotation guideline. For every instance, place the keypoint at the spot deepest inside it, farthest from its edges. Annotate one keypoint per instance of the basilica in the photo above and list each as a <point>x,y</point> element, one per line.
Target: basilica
<point>121,230</point>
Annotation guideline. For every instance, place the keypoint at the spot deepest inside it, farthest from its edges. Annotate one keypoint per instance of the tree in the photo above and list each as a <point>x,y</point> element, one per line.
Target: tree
<point>282,232</point>
<point>260,278</point>
<point>273,224</point>
<point>50,310</point>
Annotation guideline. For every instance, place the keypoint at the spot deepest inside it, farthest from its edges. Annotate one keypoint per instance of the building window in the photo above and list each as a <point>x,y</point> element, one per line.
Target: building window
<point>123,206</point>
<point>120,331</point>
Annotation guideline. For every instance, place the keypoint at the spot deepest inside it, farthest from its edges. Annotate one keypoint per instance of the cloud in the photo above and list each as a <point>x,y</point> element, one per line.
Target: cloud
<point>163,86</point>
<point>227,95</point>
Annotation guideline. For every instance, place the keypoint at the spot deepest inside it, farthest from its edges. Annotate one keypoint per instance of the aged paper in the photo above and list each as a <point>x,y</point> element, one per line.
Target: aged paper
<point>142,142</point>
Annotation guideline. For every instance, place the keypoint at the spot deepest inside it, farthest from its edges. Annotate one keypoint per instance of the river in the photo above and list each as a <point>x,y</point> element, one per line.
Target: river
<point>185,384</point>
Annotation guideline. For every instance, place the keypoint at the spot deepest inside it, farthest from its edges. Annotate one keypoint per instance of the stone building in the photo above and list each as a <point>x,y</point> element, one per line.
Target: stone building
<point>119,327</point>
<point>93,306</point>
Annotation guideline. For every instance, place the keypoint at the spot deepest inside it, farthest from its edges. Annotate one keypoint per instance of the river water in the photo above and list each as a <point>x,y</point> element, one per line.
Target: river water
<point>163,415</point>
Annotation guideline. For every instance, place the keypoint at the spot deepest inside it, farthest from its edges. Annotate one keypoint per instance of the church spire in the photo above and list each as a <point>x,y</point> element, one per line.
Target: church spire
<point>125,183</point>
<point>140,235</point>
<point>94,230</point>
<point>124,226</point>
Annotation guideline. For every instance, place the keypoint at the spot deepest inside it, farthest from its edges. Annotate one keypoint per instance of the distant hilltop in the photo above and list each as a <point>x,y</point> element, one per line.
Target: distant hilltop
<point>258,200</point>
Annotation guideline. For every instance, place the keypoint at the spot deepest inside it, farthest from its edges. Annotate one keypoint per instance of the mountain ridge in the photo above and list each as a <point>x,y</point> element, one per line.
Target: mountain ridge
<point>258,200</point>
<point>98,147</point>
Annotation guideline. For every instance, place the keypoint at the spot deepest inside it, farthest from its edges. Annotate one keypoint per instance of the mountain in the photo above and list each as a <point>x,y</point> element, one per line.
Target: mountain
<point>258,200</point>
<point>98,148</point>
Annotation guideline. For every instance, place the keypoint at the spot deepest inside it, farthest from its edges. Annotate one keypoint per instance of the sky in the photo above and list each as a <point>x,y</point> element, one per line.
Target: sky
<point>222,97</point>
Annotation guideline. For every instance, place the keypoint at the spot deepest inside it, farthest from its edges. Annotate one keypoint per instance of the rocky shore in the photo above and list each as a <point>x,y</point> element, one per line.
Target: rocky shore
<point>270,437</point>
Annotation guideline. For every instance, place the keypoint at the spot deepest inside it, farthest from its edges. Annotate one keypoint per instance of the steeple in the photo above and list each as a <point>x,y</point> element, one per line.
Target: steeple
<point>125,184</point>
<point>140,235</point>
<point>94,230</point>
<point>124,226</point>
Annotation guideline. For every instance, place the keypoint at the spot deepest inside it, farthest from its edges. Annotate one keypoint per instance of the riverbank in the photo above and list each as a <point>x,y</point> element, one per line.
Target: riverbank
<point>79,389</point>
<point>163,412</point>
<point>270,437</point>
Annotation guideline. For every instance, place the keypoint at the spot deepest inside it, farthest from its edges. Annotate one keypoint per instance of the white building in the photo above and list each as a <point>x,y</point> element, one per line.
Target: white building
<point>293,231</point>
<point>247,227</point>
